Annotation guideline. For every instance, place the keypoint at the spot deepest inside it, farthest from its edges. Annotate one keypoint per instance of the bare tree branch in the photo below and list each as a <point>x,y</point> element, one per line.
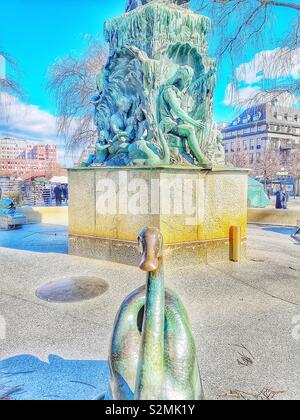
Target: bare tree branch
<point>280,4</point>
<point>236,24</point>
<point>8,83</point>
<point>72,82</point>
<point>229,46</point>
<point>267,3</point>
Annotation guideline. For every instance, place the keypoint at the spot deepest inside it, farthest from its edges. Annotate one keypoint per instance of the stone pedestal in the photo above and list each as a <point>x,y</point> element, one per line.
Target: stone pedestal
<point>193,208</point>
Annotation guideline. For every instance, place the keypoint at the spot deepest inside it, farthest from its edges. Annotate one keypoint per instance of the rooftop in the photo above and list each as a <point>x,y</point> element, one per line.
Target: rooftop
<point>262,113</point>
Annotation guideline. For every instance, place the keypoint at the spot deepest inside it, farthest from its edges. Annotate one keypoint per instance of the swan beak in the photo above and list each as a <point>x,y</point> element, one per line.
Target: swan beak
<point>149,264</point>
<point>150,244</point>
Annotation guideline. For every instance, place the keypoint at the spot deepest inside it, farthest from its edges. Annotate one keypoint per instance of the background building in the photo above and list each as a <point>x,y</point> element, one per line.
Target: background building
<point>23,159</point>
<point>260,128</point>
<point>222,125</point>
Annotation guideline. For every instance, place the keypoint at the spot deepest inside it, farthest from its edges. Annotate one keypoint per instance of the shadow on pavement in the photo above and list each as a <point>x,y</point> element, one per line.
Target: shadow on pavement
<point>283,230</point>
<point>28,378</point>
<point>37,238</point>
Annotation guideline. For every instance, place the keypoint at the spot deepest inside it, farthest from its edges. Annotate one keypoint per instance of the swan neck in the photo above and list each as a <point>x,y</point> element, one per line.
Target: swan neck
<point>149,381</point>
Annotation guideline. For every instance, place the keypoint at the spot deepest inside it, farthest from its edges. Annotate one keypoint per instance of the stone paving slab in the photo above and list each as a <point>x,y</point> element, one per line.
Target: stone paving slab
<point>242,317</point>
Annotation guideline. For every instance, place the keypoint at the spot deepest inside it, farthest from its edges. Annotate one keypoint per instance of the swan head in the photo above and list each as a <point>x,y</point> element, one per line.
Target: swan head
<point>151,249</point>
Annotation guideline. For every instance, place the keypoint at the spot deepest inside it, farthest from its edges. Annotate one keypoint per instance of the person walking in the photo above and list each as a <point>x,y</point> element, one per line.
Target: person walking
<point>285,198</point>
<point>282,197</point>
<point>58,193</point>
<point>65,193</point>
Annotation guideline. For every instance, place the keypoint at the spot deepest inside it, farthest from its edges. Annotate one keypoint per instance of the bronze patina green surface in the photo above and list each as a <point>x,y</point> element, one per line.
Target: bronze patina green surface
<point>155,94</point>
<point>153,352</point>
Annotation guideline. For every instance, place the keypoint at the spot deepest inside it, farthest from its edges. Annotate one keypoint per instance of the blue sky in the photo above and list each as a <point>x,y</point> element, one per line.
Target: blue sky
<point>37,32</point>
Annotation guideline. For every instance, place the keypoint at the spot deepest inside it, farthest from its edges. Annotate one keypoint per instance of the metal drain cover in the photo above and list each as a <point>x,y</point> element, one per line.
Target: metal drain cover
<point>72,289</point>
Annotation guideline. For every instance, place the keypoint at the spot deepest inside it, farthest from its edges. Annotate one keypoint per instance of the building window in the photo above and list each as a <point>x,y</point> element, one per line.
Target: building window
<point>257,116</point>
<point>247,119</point>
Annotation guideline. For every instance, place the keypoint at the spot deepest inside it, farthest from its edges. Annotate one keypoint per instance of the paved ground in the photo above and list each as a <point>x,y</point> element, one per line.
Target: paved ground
<point>37,237</point>
<point>244,317</point>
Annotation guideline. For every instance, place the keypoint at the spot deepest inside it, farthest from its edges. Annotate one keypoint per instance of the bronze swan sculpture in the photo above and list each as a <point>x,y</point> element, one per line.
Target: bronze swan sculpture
<point>153,352</point>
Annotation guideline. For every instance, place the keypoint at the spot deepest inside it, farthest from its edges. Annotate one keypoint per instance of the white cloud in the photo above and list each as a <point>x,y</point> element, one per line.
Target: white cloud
<point>270,64</point>
<point>247,96</point>
<point>239,96</point>
<point>25,118</point>
<point>29,122</point>
<point>269,69</point>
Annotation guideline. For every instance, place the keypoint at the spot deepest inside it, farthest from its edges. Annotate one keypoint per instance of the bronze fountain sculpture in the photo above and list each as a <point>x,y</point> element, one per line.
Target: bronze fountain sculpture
<point>154,105</point>
<point>153,352</point>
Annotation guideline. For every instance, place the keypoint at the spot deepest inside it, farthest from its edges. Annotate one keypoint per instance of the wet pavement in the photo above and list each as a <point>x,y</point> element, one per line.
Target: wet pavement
<point>73,289</point>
